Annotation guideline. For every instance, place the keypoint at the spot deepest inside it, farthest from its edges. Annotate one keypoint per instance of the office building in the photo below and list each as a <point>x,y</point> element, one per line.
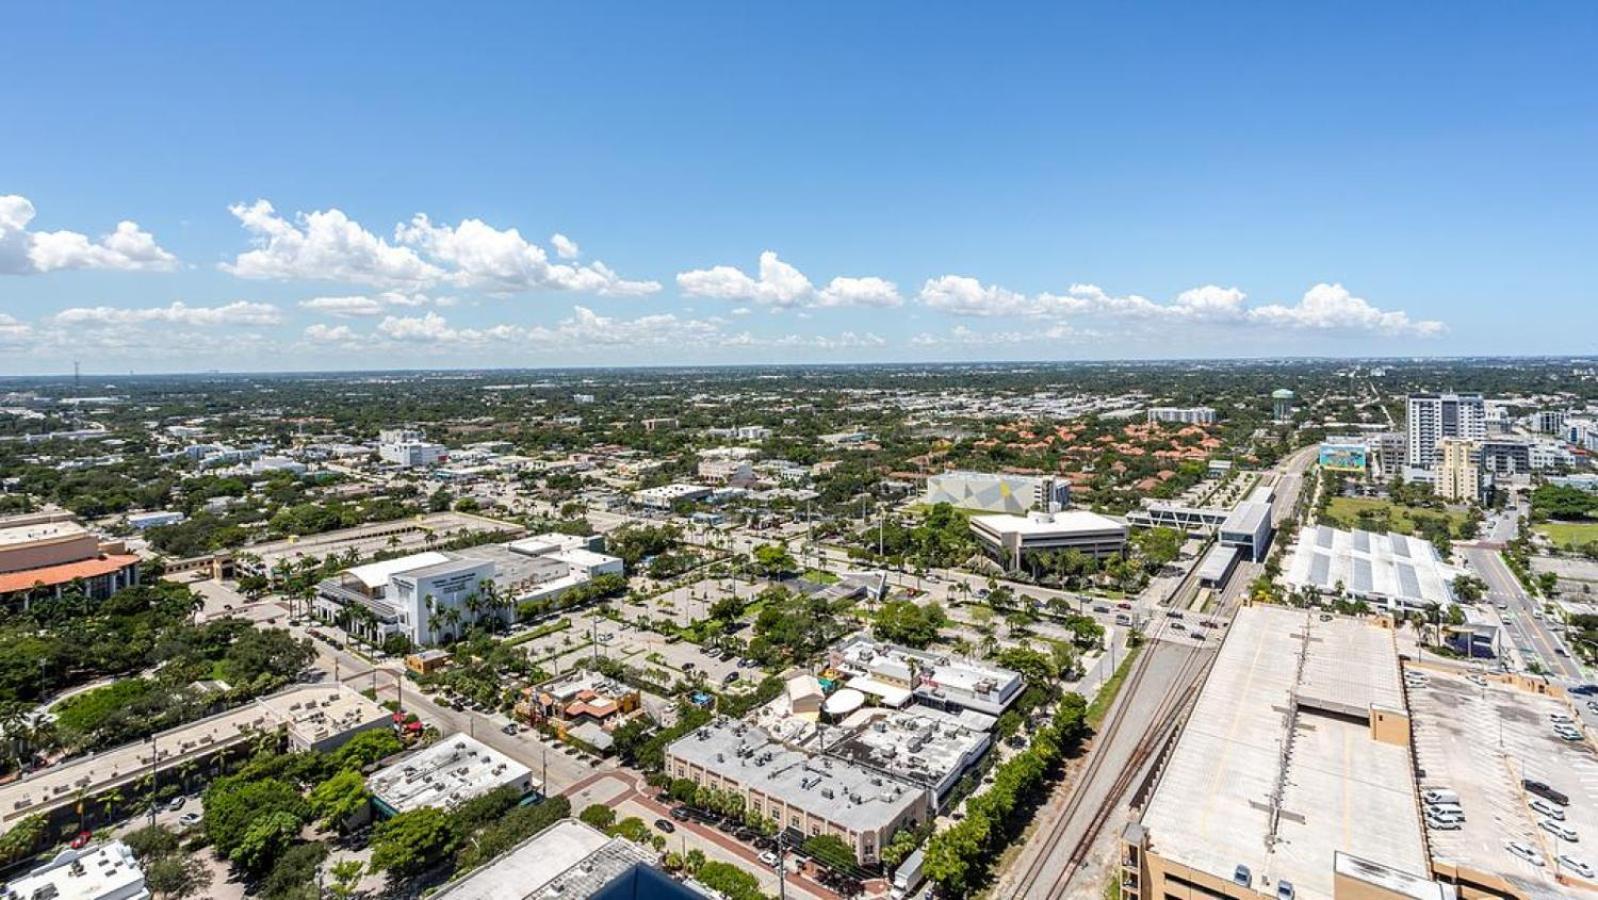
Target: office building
<point>447,774</point>
<point>997,493</point>
<point>96,872</point>
<point>1396,571</point>
<point>668,495</point>
<point>806,793</point>
<point>1292,777</point>
<point>142,520</point>
<point>41,554</point>
<point>726,471</point>
<point>408,448</point>
<point>570,860</point>
<point>1458,476</point>
<point>1015,541</point>
<point>1548,421</point>
<point>930,749</point>
<point>1190,415</point>
<point>1433,417</point>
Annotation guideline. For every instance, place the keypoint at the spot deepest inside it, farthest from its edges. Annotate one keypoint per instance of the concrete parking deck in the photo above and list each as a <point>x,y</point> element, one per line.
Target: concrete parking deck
<point>1480,740</point>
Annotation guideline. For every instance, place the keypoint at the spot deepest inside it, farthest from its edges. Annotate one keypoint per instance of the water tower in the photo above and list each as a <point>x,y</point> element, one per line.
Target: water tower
<point>1282,404</point>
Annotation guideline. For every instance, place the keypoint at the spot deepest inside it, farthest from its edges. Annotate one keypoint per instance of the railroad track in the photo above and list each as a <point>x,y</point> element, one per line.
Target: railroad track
<point>1161,725</point>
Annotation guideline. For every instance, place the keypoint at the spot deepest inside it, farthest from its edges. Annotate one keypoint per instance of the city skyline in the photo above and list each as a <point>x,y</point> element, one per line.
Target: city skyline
<point>675,193</point>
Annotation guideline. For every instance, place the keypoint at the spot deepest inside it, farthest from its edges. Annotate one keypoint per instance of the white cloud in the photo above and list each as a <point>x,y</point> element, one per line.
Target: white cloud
<point>962,336</point>
<point>481,256</point>
<point>1323,307</point>
<point>240,312</point>
<point>962,295</point>
<point>13,331</point>
<point>325,246</point>
<point>583,329</point>
<point>24,252</point>
<point>565,247</point>
<point>780,285</point>
<point>321,333</point>
<point>741,311</point>
<point>1330,307</point>
<point>844,341</point>
<point>363,305</point>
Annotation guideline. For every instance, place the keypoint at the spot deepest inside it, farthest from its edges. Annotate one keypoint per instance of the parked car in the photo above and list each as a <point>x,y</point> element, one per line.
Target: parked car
<point>680,813</point>
<point>1559,830</point>
<point>1101,608</point>
<point>1575,865</point>
<point>82,840</point>
<point>1439,795</point>
<point>1243,876</point>
<point>1525,851</point>
<point>730,678</point>
<point>510,728</point>
<point>176,803</point>
<point>770,858</point>
<point>1546,810</point>
<point>1443,824</point>
<point>190,819</point>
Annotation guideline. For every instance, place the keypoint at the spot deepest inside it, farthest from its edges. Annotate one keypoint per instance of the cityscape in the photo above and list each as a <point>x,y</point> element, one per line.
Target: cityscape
<point>839,536</point>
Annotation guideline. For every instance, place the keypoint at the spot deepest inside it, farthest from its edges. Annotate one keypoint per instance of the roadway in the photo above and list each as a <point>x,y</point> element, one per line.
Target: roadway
<point>1524,621</point>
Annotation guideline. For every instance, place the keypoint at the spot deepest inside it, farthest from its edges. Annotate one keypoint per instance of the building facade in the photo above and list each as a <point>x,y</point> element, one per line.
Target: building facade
<point>1458,475</point>
<point>1016,541</point>
<point>1189,415</point>
<point>1433,417</point>
<point>998,493</point>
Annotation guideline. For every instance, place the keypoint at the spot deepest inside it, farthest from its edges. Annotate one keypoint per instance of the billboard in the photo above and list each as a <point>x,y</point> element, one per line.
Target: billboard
<point>1344,457</point>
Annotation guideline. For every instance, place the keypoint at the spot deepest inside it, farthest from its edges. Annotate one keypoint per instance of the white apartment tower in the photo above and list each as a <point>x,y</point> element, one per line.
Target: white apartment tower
<point>1433,417</point>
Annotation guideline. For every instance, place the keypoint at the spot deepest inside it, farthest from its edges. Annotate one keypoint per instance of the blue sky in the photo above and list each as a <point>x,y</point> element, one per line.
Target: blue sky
<point>983,182</point>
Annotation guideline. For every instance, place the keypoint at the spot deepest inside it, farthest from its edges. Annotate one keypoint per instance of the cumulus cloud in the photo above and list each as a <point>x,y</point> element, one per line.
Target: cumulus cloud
<point>24,252</point>
<point>565,247</point>
<point>363,304</point>
<point>241,312</point>
<point>1324,307</point>
<point>584,328</point>
<point>321,333</point>
<point>1330,307</point>
<point>963,336</point>
<point>328,245</point>
<point>780,285</point>
<point>481,256</point>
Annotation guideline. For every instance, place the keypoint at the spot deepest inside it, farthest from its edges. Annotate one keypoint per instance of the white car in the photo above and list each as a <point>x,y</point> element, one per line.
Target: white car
<point>769,858</point>
<point>1525,852</point>
<point>1576,865</point>
<point>190,819</point>
<point>1546,810</point>
<point>1443,824</point>
<point>1559,830</point>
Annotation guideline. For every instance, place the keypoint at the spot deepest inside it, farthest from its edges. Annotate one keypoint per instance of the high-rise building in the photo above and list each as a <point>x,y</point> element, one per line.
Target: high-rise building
<point>1190,415</point>
<point>1433,417</point>
<point>1458,475</point>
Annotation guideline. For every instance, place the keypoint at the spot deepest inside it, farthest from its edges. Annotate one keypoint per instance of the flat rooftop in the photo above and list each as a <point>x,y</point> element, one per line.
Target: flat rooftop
<point>105,870</point>
<point>919,744</point>
<point>447,774</point>
<point>843,793</point>
<point>1479,741</point>
<point>376,575</point>
<point>1247,517</point>
<point>1392,566</point>
<point>569,859</point>
<point>1275,728</point>
<point>306,708</point>
<point>12,536</point>
<point>1071,521</point>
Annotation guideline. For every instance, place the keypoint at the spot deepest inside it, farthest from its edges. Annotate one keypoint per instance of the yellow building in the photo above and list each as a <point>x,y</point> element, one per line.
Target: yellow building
<point>1458,473</point>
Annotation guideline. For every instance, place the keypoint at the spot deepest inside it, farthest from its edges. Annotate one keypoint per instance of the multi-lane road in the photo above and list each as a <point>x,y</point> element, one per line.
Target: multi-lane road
<point>1524,622</point>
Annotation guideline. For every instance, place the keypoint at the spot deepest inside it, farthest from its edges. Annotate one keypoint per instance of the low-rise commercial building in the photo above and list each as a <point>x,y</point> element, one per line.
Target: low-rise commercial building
<point>997,492</point>
<point>668,495</point>
<point>96,872</point>
<point>43,553</point>
<point>896,674</point>
<point>570,860</point>
<point>1012,539</point>
<point>1292,776</point>
<point>930,749</point>
<point>447,774</point>
<point>809,794</point>
<point>1190,415</point>
<point>313,716</point>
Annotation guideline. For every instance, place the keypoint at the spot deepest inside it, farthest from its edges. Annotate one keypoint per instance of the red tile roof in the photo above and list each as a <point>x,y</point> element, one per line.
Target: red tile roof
<point>50,576</point>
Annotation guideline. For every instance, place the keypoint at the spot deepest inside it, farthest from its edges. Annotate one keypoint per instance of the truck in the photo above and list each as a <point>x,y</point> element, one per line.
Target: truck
<point>908,876</point>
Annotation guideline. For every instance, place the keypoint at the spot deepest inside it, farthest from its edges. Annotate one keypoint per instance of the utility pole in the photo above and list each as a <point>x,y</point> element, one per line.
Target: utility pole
<point>782,865</point>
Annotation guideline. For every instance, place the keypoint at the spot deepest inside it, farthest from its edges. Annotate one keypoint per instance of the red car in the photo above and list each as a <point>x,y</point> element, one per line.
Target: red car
<point>1123,606</point>
<point>82,840</point>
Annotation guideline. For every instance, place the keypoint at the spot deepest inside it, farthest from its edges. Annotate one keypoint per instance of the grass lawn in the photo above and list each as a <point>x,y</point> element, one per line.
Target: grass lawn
<point>818,576</point>
<point>1570,534</point>
<point>1344,513</point>
<point>1112,686</point>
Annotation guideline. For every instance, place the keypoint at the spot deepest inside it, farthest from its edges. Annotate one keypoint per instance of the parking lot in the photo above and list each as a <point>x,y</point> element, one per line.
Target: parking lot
<point>1479,739</point>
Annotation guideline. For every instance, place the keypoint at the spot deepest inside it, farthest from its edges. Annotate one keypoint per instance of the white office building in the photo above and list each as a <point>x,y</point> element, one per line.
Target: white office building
<point>447,774</point>
<point>409,448</point>
<point>1012,539</point>
<point>997,493</point>
<point>424,596</point>
<point>1433,417</point>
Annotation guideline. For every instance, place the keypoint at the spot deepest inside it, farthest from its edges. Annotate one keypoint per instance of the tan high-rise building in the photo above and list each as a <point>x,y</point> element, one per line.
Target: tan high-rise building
<point>1458,472</point>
